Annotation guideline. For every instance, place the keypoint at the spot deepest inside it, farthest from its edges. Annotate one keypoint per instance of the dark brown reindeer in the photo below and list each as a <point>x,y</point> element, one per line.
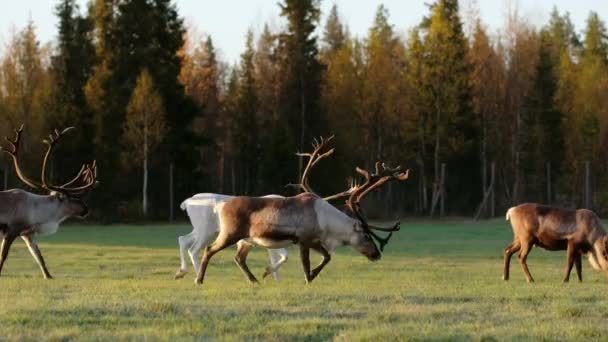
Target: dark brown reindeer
<point>578,232</point>
<point>306,219</point>
<point>27,215</point>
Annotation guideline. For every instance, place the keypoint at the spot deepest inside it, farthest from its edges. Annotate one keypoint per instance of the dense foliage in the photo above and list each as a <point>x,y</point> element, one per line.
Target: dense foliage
<point>447,99</point>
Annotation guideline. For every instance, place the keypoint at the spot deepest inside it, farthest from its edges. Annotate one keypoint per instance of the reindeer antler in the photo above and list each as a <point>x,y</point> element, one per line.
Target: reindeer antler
<point>313,158</point>
<point>372,182</point>
<point>14,153</point>
<point>87,174</point>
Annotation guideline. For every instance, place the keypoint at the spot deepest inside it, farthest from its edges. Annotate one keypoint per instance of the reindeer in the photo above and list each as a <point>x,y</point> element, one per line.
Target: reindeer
<point>204,220</point>
<point>306,219</point>
<point>27,215</point>
<point>578,232</point>
<point>202,214</point>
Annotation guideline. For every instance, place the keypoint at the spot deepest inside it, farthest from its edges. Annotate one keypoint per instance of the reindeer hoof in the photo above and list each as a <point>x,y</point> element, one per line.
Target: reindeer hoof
<point>198,281</point>
<point>505,278</point>
<point>48,277</point>
<point>267,272</point>
<point>180,273</point>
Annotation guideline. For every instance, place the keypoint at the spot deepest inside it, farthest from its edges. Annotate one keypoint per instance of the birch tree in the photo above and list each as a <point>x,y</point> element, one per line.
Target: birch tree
<point>144,126</point>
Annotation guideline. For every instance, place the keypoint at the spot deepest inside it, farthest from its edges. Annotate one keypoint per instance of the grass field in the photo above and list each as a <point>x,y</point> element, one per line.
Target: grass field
<point>436,281</point>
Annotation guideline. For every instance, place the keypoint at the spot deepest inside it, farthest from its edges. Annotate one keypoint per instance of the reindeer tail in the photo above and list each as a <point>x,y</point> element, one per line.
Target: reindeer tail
<point>508,216</point>
<point>183,205</point>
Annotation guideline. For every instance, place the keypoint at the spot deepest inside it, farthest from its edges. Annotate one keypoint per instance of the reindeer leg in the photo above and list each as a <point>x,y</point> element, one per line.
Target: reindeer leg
<point>279,253</point>
<point>35,251</point>
<point>305,258</point>
<point>509,251</point>
<point>523,255</point>
<point>6,245</point>
<point>579,266</point>
<point>240,258</point>
<point>326,259</point>
<point>220,243</point>
<point>184,242</point>
<point>571,255</point>
<point>195,249</point>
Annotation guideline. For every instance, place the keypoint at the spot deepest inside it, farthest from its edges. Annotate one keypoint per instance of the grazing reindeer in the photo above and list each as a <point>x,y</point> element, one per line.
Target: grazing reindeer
<point>205,223</point>
<point>28,215</point>
<point>576,231</point>
<point>305,219</point>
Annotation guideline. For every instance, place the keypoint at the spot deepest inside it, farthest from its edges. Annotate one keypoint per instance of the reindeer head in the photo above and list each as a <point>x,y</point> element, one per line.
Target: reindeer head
<point>362,237</point>
<point>363,240</point>
<point>68,196</point>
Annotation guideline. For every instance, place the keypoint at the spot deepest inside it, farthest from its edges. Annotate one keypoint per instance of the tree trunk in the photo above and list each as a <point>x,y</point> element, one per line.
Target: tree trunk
<point>493,196</point>
<point>517,180</point>
<point>6,176</point>
<point>587,186</point>
<point>488,196</point>
<point>144,202</point>
<point>484,168</point>
<point>437,174</point>
<point>302,118</point>
<point>233,176</point>
<point>549,183</point>
<point>220,170</point>
<point>171,196</point>
<point>442,204</point>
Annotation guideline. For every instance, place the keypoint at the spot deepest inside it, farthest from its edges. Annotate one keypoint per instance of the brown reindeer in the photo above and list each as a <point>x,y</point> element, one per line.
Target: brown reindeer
<point>576,231</point>
<point>306,219</point>
<point>27,215</point>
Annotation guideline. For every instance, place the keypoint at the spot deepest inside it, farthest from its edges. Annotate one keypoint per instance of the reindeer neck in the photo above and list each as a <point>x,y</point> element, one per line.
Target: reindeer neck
<point>333,220</point>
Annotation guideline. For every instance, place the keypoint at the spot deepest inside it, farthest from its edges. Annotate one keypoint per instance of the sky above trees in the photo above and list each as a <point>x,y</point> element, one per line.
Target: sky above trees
<point>228,20</point>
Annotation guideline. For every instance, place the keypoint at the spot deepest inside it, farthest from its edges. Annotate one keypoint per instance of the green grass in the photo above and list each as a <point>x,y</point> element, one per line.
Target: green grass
<point>436,281</point>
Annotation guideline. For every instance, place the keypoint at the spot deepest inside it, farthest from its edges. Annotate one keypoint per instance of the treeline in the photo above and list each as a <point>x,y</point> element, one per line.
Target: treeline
<point>503,118</point>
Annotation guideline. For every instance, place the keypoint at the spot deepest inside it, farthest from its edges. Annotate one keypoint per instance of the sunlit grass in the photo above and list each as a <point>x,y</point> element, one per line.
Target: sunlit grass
<point>437,281</point>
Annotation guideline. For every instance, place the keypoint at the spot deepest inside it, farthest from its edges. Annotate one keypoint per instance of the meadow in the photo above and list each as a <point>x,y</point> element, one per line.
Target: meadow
<point>437,281</point>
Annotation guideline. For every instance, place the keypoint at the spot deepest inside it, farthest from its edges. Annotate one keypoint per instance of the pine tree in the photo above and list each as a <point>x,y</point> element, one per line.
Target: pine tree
<point>272,137</point>
<point>544,142</point>
<point>446,75</point>
<point>71,67</point>
<point>487,79</point>
<point>381,88</point>
<point>247,127</point>
<point>299,66</point>
<point>334,33</point>
<point>133,35</point>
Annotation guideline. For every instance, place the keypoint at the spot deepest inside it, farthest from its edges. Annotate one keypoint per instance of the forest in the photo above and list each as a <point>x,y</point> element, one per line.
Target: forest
<point>483,119</point>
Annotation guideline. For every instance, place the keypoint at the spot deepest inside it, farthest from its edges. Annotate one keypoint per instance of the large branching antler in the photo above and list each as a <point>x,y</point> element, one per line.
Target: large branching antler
<point>313,158</point>
<point>345,193</point>
<point>373,181</point>
<point>14,153</point>
<point>87,176</point>
<point>85,180</point>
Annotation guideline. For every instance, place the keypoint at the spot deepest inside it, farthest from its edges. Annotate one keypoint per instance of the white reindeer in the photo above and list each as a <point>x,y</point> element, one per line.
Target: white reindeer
<point>27,215</point>
<point>305,219</point>
<point>204,220</point>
